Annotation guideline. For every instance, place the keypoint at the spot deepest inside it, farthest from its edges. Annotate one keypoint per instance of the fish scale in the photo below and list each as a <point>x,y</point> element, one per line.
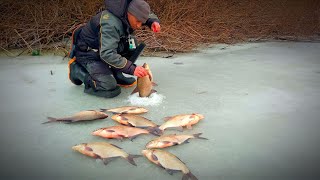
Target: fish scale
<point>171,140</point>
<point>104,151</point>
<point>126,110</point>
<point>80,116</point>
<point>119,132</point>
<point>145,83</point>
<point>181,121</point>
<point>168,161</point>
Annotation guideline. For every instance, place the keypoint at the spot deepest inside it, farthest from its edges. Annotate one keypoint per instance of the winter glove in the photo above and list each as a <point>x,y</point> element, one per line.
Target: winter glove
<point>155,27</point>
<point>140,71</point>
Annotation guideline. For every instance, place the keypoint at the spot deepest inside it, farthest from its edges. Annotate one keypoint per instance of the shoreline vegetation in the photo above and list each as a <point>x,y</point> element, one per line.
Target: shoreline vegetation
<point>34,27</point>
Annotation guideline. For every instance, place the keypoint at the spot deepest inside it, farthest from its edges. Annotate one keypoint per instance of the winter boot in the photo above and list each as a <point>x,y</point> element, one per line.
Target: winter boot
<point>77,73</point>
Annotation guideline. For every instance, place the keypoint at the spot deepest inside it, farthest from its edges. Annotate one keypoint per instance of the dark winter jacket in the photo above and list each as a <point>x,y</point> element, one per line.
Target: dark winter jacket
<point>108,33</point>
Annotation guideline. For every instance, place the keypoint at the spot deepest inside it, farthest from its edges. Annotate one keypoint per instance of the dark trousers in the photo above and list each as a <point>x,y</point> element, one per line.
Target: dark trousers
<point>99,71</point>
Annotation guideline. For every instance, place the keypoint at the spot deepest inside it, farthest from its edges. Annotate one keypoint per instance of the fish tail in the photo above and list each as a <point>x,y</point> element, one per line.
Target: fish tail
<point>189,175</point>
<point>130,159</point>
<point>155,131</point>
<point>198,136</point>
<point>51,119</point>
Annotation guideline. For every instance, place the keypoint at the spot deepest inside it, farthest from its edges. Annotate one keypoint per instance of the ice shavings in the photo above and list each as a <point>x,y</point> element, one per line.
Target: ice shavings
<point>154,99</point>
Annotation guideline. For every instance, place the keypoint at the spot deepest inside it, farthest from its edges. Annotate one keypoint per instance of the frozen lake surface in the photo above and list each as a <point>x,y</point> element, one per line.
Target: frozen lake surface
<point>260,102</point>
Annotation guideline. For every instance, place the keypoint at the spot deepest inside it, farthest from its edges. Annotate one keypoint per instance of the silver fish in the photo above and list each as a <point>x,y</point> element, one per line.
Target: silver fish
<point>104,151</point>
<point>169,162</point>
<point>126,110</point>
<point>181,120</point>
<point>88,115</point>
<point>172,140</point>
<point>137,121</point>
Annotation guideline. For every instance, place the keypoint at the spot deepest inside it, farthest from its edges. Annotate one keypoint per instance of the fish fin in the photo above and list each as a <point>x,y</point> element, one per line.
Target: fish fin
<point>171,171</point>
<point>133,137</point>
<point>124,118</point>
<point>135,90</point>
<point>88,148</point>
<point>67,121</point>
<point>116,146</point>
<point>154,84</point>
<point>155,131</point>
<point>186,141</point>
<point>189,126</point>
<point>171,143</point>
<point>97,156</point>
<point>192,116</point>
<point>131,125</point>
<point>167,118</point>
<point>130,159</point>
<point>51,119</point>
<point>189,176</point>
<point>154,157</point>
<point>198,136</point>
<point>166,142</point>
<point>179,128</point>
<point>107,160</point>
<point>153,91</point>
<point>125,112</point>
<point>110,130</point>
<point>103,110</point>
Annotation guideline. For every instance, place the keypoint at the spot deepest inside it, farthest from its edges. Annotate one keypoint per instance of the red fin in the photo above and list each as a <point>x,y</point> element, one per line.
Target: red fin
<point>154,84</point>
<point>154,157</point>
<point>166,142</point>
<point>124,118</point>
<point>167,118</point>
<point>153,91</point>
<point>88,148</point>
<point>192,116</point>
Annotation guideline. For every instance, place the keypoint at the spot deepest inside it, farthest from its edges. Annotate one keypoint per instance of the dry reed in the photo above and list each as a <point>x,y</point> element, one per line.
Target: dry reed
<point>186,24</point>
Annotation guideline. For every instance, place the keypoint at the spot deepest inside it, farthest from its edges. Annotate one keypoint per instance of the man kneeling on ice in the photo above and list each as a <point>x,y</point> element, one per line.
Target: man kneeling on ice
<point>105,48</point>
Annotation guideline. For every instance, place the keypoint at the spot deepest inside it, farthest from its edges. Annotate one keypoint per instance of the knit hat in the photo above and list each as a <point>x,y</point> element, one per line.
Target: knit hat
<point>140,9</point>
